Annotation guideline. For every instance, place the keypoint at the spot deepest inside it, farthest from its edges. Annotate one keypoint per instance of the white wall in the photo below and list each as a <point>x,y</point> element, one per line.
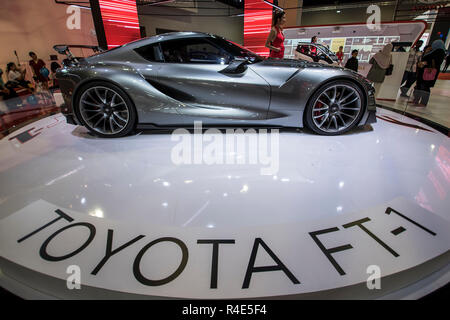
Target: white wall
<point>37,25</point>
<point>231,28</point>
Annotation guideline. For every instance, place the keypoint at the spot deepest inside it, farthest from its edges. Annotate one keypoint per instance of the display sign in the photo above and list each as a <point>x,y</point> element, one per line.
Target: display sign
<point>257,261</point>
<point>336,43</point>
<point>354,36</point>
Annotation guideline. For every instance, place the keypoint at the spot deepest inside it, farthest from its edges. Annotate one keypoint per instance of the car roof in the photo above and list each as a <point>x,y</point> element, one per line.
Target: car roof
<point>118,52</point>
<point>165,37</point>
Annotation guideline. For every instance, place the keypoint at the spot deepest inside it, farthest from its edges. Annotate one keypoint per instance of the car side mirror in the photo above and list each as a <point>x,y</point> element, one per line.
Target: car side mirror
<point>235,67</point>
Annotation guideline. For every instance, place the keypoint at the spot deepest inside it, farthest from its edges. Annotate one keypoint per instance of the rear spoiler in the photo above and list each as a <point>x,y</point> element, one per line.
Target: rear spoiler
<point>64,49</point>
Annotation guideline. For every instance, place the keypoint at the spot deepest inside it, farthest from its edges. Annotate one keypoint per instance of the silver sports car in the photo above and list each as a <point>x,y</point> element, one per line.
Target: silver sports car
<point>174,79</point>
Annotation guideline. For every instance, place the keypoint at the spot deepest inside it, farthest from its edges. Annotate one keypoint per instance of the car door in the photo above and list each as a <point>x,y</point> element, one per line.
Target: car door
<point>193,75</point>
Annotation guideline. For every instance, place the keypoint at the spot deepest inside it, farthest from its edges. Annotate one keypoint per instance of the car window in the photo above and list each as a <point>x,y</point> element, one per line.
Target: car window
<point>150,52</point>
<point>194,50</point>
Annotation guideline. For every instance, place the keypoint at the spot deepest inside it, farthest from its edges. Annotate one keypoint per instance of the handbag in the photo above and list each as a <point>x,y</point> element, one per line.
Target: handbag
<point>44,72</point>
<point>389,69</point>
<point>429,74</point>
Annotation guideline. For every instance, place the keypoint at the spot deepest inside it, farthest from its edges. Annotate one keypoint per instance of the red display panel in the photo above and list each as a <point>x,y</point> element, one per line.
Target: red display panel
<point>257,24</point>
<point>120,21</point>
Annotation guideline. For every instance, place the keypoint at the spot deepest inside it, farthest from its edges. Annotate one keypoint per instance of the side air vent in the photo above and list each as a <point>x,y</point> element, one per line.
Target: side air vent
<point>172,92</point>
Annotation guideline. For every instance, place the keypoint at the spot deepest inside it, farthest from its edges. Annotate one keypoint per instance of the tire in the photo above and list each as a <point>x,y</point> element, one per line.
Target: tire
<point>105,110</point>
<point>331,112</point>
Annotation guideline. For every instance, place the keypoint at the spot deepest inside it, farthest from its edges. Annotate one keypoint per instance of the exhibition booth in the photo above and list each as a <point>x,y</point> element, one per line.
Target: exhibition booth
<point>172,163</point>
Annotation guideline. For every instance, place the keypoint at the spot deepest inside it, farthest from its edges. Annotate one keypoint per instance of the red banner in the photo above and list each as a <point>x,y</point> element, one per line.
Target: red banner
<point>257,24</point>
<point>120,21</point>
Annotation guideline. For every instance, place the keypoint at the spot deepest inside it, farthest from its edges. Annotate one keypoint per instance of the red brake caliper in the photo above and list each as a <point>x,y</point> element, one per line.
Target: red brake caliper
<point>318,105</point>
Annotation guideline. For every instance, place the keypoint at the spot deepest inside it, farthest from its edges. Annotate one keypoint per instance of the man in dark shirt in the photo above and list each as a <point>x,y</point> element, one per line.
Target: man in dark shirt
<point>352,62</point>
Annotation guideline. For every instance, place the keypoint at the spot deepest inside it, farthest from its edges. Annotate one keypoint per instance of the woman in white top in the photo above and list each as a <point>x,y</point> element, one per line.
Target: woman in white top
<point>14,73</point>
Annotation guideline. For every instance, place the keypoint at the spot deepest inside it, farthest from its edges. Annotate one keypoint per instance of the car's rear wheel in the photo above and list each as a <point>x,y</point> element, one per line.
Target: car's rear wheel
<point>105,110</point>
<point>335,108</point>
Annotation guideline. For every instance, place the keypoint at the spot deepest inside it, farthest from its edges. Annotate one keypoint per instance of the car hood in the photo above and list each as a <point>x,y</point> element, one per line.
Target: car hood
<point>278,72</point>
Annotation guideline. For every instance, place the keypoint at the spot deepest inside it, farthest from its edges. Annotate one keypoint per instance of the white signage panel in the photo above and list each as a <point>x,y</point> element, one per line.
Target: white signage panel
<point>219,262</point>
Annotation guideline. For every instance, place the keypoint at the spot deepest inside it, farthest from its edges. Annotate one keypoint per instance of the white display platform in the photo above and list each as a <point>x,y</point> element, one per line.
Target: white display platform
<point>379,196</point>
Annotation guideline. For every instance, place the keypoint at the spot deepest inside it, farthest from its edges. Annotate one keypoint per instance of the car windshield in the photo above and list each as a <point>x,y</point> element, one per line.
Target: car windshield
<point>236,50</point>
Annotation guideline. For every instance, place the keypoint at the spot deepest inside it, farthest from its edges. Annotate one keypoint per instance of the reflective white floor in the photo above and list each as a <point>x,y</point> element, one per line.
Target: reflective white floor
<point>133,179</point>
<point>437,109</point>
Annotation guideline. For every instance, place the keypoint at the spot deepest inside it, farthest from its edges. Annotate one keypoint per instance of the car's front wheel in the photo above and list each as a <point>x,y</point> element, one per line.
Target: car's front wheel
<point>335,108</point>
<point>105,110</point>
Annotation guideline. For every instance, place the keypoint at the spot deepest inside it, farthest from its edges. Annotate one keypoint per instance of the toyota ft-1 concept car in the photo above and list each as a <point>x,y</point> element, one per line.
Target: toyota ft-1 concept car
<point>172,80</point>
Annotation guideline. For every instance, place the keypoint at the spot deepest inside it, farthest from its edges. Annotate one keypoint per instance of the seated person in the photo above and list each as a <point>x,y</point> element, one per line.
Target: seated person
<point>8,94</point>
<point>16,76</point>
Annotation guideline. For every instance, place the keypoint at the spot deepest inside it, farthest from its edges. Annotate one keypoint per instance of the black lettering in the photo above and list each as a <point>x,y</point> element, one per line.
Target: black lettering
<point>251,268</point>
<point>359,224</point>
<point>329,251</point>
<point>389,210</point>
<point>26,135</point>
<point>110,252</point>
<point>61,214</point>
<point>136,265</point>
<point>43,252</point>
<point>215,258</point>
<point>398,230</point>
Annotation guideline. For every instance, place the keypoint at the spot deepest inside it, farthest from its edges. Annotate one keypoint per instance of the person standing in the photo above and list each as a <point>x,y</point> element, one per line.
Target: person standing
<point>352,62</point>
<point>380,62</point>
<point>427,72</point>
<point>410,72</point>
<point>275,40</point>
<point>37,66</point>
<point>340,55</point>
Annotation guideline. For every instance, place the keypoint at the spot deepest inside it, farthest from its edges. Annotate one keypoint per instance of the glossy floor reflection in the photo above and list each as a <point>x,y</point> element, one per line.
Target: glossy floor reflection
<point>317,176</point>
<point>437,109</point>
<point>136,186</point>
